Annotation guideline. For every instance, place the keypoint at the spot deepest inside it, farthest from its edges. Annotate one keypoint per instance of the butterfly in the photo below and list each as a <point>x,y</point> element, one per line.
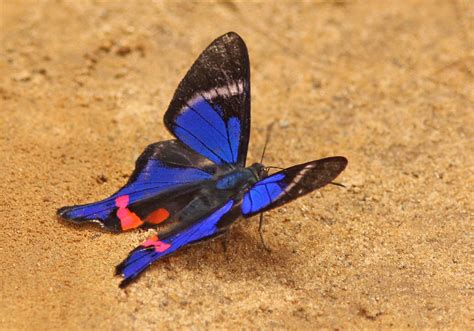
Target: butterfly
<point>194,187</point>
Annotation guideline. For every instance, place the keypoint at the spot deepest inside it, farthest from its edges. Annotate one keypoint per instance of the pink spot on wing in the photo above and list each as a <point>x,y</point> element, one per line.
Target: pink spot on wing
<point>159,245</point>
<point>128,220</point>
<point>149,242</point>
<point>122,201</point>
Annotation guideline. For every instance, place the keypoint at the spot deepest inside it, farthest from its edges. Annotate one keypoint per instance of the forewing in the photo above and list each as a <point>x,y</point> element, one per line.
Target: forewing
<point>156,248</point>
<point>164,170</point>
<point>210,110</point>
<point>291,183</point>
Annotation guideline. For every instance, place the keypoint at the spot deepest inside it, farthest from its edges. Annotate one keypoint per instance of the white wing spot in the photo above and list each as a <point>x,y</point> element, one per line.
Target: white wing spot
<point>298,177</point>
<point>234,88</point>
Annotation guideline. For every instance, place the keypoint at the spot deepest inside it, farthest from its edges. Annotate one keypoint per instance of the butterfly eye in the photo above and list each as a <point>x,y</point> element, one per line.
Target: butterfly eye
<point>262,171</point>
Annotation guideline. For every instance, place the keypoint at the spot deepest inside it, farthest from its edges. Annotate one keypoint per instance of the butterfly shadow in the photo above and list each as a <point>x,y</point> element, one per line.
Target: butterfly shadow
<point>244,259</point>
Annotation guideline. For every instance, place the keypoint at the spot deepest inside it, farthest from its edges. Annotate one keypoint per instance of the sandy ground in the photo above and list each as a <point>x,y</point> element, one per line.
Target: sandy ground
<point>389,85</point>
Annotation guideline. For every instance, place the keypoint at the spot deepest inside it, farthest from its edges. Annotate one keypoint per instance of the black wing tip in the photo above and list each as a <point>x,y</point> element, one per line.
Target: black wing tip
<point>108,225</point>
<point>231,37</point>
<point>119,272</point>
<point>230,34</point>
<point>339,161</point>
<point>338,164</point>
<point>125,281</point>
<point>119,269</point>
<point>342,160</point>
<point>62,213</point>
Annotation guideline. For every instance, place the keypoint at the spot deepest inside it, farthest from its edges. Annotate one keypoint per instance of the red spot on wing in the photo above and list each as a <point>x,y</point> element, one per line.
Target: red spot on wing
<point>158,216</point>
<point>159,245</point>
<point>128,220</point>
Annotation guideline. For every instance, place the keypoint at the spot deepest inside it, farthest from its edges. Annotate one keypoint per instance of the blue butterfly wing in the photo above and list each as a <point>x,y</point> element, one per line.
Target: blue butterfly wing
<point>210,110</point>
<point>156,248</point>
<point>167,174</point>
<point>289,184</point>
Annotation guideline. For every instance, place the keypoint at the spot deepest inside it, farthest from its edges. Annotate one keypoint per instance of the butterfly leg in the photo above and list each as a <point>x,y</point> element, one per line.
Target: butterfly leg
<point>260,232</point>
<point>224,242</point>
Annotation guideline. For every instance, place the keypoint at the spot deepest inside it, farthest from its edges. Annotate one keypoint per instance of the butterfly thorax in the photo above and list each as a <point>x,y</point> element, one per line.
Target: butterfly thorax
<point>241,178</point>
<point>236,180</point>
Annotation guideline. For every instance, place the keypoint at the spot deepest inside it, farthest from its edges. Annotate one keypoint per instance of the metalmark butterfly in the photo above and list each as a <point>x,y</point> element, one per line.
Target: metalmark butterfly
<point>194,187</point>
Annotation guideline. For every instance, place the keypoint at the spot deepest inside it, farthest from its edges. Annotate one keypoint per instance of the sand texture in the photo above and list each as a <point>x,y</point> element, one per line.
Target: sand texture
<point>388,84</point>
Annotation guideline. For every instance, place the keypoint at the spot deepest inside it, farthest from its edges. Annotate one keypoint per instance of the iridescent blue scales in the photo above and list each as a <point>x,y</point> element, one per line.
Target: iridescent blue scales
<point>193,188</point>
<point>201,127</point>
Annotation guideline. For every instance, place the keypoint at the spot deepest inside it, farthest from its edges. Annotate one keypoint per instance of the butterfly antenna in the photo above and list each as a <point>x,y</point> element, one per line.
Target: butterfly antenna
<point>337,184</point>
<point>272,167</point>
<point>267,139</point>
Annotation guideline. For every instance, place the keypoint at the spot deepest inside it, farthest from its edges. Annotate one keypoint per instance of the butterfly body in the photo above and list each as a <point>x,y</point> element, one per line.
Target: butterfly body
<point>194,187</point>
<point>240,178</point>
<point>213,194</point>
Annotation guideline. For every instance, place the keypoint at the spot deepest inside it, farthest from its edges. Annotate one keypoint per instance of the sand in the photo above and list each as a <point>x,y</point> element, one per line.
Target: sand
<point>83,89</point>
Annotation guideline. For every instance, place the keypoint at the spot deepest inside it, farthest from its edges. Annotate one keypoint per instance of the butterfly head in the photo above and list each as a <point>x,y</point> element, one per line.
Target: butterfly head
<point>259,171</point>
